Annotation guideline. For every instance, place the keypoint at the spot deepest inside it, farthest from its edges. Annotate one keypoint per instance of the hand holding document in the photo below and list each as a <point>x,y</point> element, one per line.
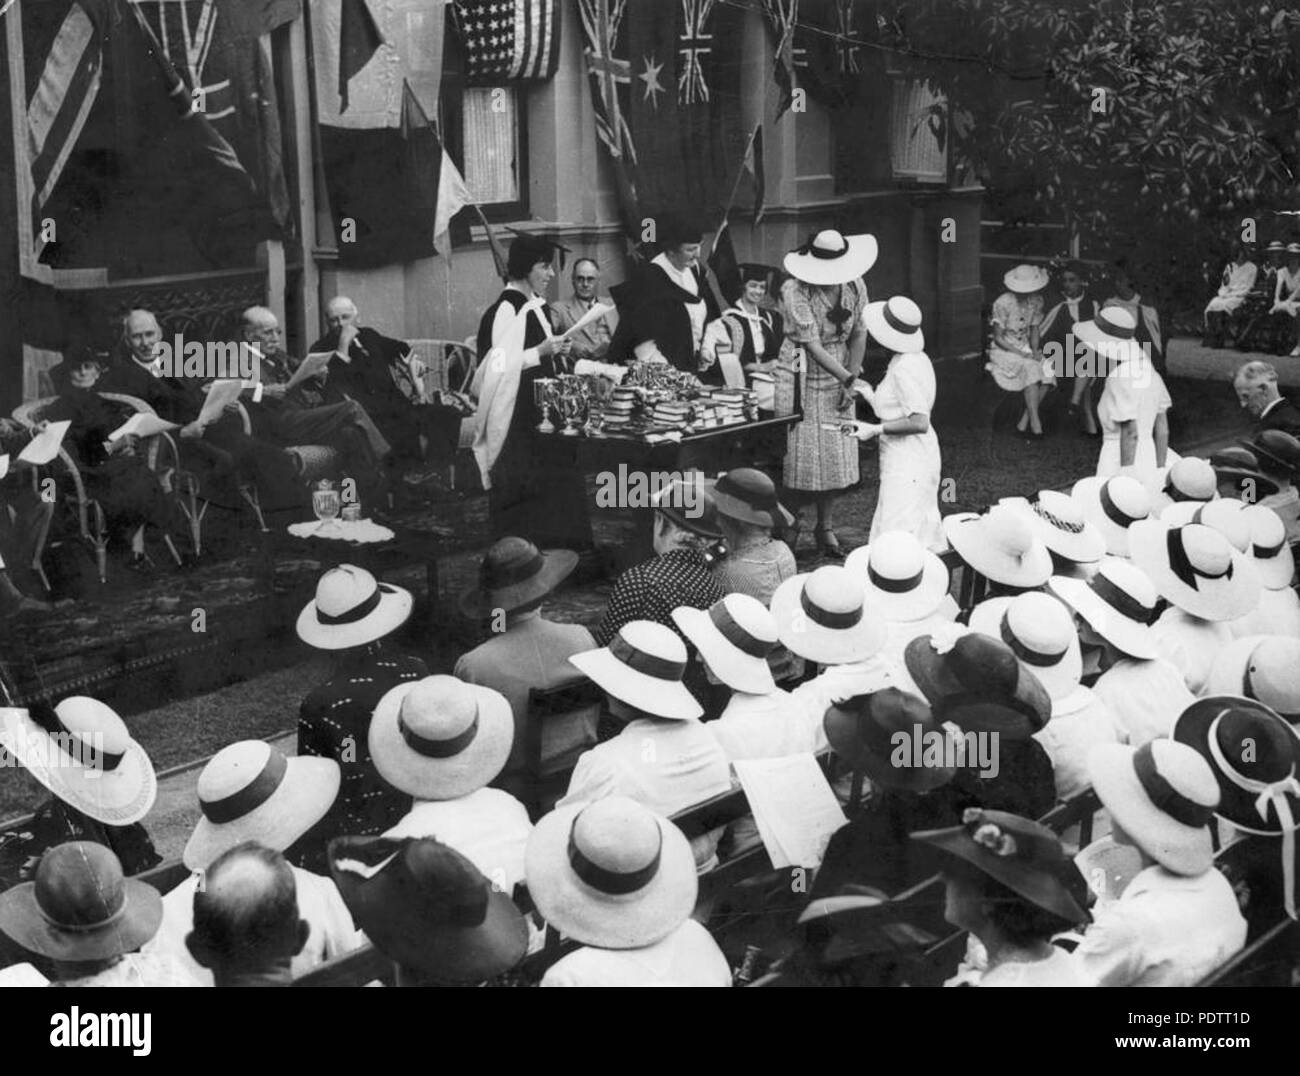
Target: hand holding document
<point>312,366</point>
<point>596,312</point>
<point>45,445</point>
<point>794,807</point>
<point>142,424</point>
<point>220,395</point>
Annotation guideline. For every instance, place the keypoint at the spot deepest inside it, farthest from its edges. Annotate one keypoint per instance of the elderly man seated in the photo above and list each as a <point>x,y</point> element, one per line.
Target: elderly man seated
<point>313,412</point>
<point>371,368</point>
<point>1257,392</point>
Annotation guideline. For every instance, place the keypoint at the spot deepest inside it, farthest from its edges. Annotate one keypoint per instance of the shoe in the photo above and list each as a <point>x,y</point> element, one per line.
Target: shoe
<point>791,535</point>
<point>829,544</point>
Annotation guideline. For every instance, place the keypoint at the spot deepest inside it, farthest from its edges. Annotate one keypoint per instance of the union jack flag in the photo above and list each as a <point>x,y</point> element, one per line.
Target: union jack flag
<point>846,53</point>
<point>695,45</point>
<point>601,20</point>
<point>508,40</point>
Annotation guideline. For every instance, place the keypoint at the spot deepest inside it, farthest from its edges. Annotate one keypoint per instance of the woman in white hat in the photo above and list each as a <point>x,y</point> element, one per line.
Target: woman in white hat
<point>1040,631</point>
<point>1114,611</point>
<point>908,497</point>
<point>1187,478</point>
<point>1075,542</point>
<point>1286,293</point>
<point>441,741</point>
<point>1134,405</point>
<point>1278,611</point>
<point>664,757</point>
<point>1014,360</point>
<point>822,307</point>
<point>100,779</point>
<point>1001,549</point>
<point>1113,505</point>
<point>1207,583</point>
<point>619,878</point>
<point>1178,919</point>
<point>351,616</point>
<point>1264,668</point>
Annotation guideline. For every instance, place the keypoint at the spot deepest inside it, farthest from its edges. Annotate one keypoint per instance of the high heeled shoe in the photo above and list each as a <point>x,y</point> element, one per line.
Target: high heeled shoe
<point>829,544</point>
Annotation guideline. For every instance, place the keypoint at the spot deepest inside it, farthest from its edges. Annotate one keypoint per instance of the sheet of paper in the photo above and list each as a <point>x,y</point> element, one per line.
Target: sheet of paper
<point>142,425</point>
<point>220,395</point>
<point>794,808</point>
<point>733,375</point>
<point>45,445</point>
<point>597,311</point>
<point>312,366</point>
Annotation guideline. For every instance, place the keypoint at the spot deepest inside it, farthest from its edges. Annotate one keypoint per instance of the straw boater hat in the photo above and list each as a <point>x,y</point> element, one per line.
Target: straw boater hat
<point>1276,246</point>
<point>748,495</point>
<point>1026,279</point>
<point>1239,474</point>
<point>1040,631</point>
<point>822,616</point>
<point>831,258</point>
<point>1119,603</point>
<point>515,574</point>
<point>428,908</point>
<point>896,324</point>
<point>861,731</point>
<point>440,738</point>
<point>1291,248</point>
<point>1224,515</point>
<point>1265,668</point>
<point>1024,856</point>
<point>904,580</point>
<point>1270,551</point>
<point>351,609</point>
<point>643,667</point>
<point>1113,505</point>
<point>82,752</point>
<point>79,907</point>
<point>734,637</point>
<point>1001,546</point>
<point>977,682</point>
<point>1111,333</point>
<point>250,791</point>
<point>1163,795</point>
<point>1196,569</point>
<point>612,873</point>
<point>1061,525</point>
<point>1187,479</point>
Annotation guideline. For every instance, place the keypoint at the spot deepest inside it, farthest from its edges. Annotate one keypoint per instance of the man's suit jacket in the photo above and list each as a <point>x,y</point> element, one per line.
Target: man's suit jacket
<point>366,377</point>
<point>1284,416</point>
<point>174,399</point>
<point>594,340</point>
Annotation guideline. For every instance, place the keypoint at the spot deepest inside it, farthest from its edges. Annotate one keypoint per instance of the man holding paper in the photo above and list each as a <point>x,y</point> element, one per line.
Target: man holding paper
<point>587,321</point>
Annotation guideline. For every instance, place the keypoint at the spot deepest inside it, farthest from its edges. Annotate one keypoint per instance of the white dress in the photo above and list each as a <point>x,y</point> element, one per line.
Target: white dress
<point>1134,392</point>
<point>1237,282</point>
<point>910,463</point>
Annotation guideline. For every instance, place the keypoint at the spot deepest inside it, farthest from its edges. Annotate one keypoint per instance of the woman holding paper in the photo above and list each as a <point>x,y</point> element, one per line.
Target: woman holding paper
<point>129,493</point>
<point>535,489</point>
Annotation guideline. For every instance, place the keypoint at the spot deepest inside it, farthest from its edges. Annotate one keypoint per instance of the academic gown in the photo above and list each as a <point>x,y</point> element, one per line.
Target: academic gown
<point>652,307</point>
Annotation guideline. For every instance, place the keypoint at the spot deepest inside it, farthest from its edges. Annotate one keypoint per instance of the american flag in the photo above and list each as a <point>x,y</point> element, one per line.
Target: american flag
<point>508,40</point>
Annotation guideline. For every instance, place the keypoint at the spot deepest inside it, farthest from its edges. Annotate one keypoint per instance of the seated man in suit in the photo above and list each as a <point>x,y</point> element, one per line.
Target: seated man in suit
<point>371,368</point>
<point>593,341</point>
<point>1257,392</point>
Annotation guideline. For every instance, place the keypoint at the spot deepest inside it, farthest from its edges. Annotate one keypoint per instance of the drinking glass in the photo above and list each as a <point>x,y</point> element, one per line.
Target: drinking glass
<point>326,503</point>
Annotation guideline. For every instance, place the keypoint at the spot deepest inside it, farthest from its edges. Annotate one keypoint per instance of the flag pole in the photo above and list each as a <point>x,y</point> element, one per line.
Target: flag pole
<point>735,187</point>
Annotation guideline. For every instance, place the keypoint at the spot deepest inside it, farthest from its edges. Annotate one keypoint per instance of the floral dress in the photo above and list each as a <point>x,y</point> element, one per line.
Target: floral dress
<point>1016,369</point>
<point>818,460</point>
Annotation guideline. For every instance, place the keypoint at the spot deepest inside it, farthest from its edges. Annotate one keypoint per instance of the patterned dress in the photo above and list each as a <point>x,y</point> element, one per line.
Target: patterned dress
<point>818,460</point>
<point>1015,369</point>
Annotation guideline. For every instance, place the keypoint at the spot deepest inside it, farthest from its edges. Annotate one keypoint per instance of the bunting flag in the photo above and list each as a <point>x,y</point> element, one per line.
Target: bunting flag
<point>754,165</point>
<point>827,50</point>
<point>359,40</point>
<point>725,266</point>
<point>508,40</point>
<point>453,196</point>
<point>782,15</point>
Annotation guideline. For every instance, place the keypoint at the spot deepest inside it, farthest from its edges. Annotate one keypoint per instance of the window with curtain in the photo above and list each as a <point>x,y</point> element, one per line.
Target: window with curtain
<point>914,147</point>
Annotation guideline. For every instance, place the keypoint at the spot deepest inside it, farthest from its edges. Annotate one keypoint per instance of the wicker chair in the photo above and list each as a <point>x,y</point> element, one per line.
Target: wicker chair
<point>89,511</point>
<point>449,369</point>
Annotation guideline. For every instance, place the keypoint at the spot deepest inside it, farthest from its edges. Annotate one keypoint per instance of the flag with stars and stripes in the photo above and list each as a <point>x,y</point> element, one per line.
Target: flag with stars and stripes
<point>508,40</point>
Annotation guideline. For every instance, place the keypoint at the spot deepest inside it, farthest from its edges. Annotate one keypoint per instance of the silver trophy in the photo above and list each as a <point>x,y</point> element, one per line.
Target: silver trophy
<point>544,393</point>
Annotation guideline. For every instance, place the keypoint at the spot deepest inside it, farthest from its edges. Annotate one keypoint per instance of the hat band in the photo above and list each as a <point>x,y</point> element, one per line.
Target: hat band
<point>1182,567</point>
<point>649,664</point>
<point>1163,796</point>
<point>1114,512</point>
<point>1122,332</point>
<point>1175,494</point>
<point>356,613</point>
<point>1060,524</point>
<point>1266,552</point>
<point>894,586</point>
<point>1122,601</point>
<point>759,501</point>
<point>77,749</point>
<point>897,324</point>
<point>826,618</point>
<point>736,635</point>
<point>1024,653</point>
<point>494,578</point>
<point>251,796</point>
<point>603,880</point>
<point>811,247</point>
<point>86,928</point>
<point>430,748</point>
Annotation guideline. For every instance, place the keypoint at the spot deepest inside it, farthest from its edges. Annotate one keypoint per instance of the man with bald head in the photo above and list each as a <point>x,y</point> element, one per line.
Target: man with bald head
<point>1257,392</point>
<point>135,371</point>
<point>246,925</point>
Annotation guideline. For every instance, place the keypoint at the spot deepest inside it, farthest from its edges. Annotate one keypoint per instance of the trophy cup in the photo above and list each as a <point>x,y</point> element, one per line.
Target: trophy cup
<point>544,398</point>
<point>570,405</point>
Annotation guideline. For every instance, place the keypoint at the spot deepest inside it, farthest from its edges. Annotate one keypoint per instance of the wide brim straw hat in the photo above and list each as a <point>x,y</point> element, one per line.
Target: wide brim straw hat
<point>748,495</point>
<point>352,608</point>
<point>1113,505</point>
<point>895,324</point>
<point>1111,607</point>
<point>1196,569</point>
<point>1126,779</point>
<point>1040,630</point>
<point>1060,523</point>
<point>1026,279</point>
<point>516,574</point>
<point>612,873</point>
<point>1001,546</point>
<point>1225,515</point>
<point>1270,550</point>
<point>831,258</point>
<point>734,637</point>
<point>1111,331</point>
<point>441,738</point>
<point>643,667</point>
<point>83,753</point>
<point>1265,668</point>
<point>864,732</point>
<point>250,791</point>
<point>822,616</point>
<point>1189,478</point>
<point>904,581</point>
